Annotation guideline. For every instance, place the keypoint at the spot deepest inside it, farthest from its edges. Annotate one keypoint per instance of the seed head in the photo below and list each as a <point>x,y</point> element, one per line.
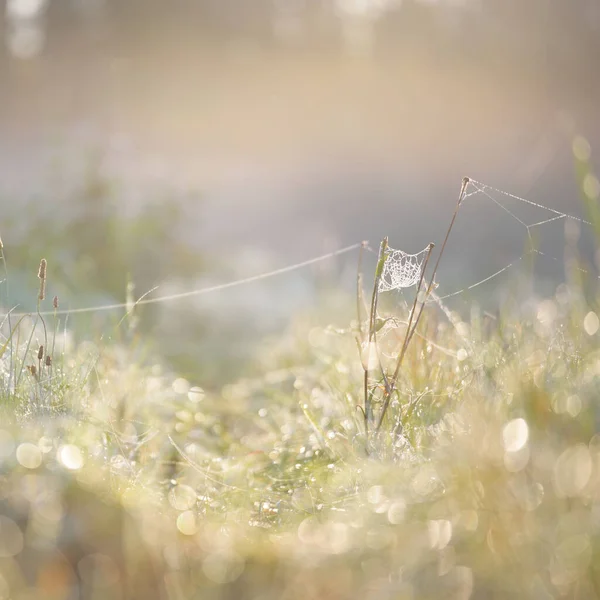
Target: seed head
<point>55,302</point>
<point>42,278</point>
<point>41,353</point>
<point>42,269</point>
<point>48,360</point>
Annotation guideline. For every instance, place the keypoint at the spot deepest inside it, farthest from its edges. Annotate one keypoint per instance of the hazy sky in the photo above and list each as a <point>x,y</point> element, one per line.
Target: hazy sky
<point>303,126</point>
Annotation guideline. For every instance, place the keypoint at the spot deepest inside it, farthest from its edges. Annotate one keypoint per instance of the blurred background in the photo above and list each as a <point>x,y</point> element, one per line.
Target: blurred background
<point>189,142</point>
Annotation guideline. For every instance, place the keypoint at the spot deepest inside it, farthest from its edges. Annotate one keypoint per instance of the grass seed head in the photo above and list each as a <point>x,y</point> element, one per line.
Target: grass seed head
<point>42,269</point>
<point>42,278</point>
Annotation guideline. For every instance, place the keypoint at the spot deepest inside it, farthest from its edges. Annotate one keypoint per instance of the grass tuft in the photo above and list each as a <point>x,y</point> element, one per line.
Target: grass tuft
<point>482,477</point>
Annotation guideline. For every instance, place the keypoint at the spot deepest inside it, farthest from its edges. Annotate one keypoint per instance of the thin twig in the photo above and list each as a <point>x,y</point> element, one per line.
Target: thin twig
<point>18,378</point>
<point>410,328</point>
<point>134,305</point>
<point>463,189</point>
<point>432,284</point>
<point>55,306</point>
<point>390,386</point>
<point>360,300</point>
<point>372,317</point>
<point>42,274</point>
<point>45,332</point>
<point>10,368</point>
<point>410,332</point>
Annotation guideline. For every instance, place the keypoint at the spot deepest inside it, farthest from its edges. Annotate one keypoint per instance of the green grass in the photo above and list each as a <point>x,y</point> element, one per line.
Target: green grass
<point>118,481</point>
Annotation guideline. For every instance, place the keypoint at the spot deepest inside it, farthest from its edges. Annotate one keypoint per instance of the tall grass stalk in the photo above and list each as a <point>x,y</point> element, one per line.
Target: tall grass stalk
<point>366,362</point>
<point>360,298</point>
<point>8,311</point>
<point>42,271</point>
<point>412,328</point>
<point>55,328</point>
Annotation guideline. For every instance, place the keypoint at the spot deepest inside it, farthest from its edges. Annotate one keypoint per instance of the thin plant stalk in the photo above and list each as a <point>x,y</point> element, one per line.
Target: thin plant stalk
<point>409,328</point>
<point>131,305</point>
<point>40,367</point>
<point>386,383</point>
<point>361,309</point>
<point>41,295</point>
<point>45,334</point>
<point>410,332</point>
<point>360,300</point>
<point>18,378</point>
<point>461,197</point>
<point>18,345</point>
<point>10,369</point>
<point>372,320</point>
<point>432,284</point>
<point>62,358</point>
<point>55,306</point>
<point>390,387</point>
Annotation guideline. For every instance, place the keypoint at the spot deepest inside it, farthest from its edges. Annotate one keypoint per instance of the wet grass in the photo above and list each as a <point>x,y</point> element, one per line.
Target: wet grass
<point>121,480</point>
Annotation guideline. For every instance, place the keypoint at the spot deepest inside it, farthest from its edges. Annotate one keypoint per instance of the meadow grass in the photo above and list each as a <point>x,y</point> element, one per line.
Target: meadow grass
<point>445,457</point>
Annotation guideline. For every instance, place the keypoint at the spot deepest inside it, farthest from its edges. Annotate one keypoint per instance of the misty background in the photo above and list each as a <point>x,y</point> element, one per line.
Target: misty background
<point>189,142</point>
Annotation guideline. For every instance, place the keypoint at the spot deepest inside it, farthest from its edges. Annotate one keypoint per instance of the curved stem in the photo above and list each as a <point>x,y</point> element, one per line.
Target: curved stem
<point>410,332</point>
<point>390,387</point>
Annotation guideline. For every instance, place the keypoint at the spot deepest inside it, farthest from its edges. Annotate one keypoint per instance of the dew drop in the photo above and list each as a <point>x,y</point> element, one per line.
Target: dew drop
<point>196,394</point>
<point>70,457</point>
<point>515,435</point>
<point>591,323</point>
<point>186,523</point>
<point>29,456</point>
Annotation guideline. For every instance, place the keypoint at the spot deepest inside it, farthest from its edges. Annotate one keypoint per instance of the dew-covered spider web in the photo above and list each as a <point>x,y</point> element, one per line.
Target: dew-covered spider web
<point>401,270</point>
<point>523,227</point>
<point>537,231</point>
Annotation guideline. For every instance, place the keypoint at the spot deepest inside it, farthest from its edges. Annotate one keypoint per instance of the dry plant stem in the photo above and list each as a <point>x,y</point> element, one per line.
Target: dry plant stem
<point>45,333</point>
<point>386,382</point>
<point>390,387</point>
<point>430,288</point>
<point>62,357</point>
<point>42,274</point>
<point>18,344</point>
<point>18,379</point>
<point>410,328</point>
<point>10,369</point>
<point>40,357</point>
<point>360,304</point>
<point>41,295</point>
<point>54,332</point>
<point>361,309</point>
<point>410,332</point>
<point>463,189</point>
<point>372,317</point>
<point>133,306</point>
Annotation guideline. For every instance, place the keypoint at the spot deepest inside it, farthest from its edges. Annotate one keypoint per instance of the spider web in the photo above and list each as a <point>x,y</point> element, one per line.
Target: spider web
<point>403,270</point>
<point>511,205</point>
